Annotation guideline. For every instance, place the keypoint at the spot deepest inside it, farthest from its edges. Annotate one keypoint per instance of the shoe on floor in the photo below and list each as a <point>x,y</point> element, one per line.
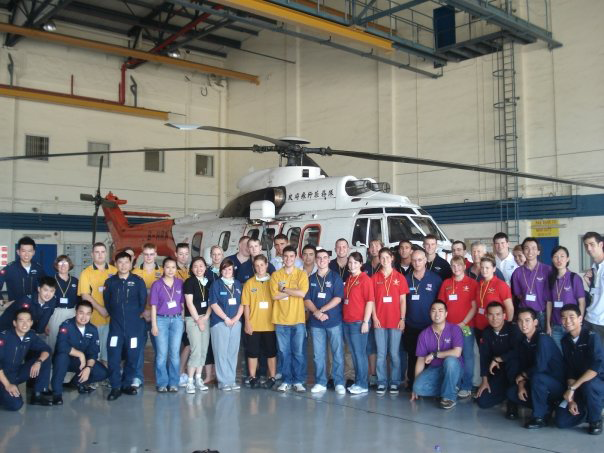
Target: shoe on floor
<point>269,384</point>
<point>381,389</point>
<point>511,412</point>
<point>114,394</point>
<point>340,389</point>
<point>356,390</point>
<point>393,390</point>
<point>129,390</point>
<point>85,389</point>
<point>235,386</point>
<point>38,399</point>
<point>284,387</point>
<point>200,385</point>
<point>464,393</point>
<point>595,428</point>
<point>57,400</point>
<point>447,404</point>
<point>535,423</point>
<point>318,388</point>
<point>299,388</point>
<point>136,383</point>
<point>162,389</point>
<point>190,388</point>
<point>253,382</point>
<point>173,389</point>
<point>184,378</point>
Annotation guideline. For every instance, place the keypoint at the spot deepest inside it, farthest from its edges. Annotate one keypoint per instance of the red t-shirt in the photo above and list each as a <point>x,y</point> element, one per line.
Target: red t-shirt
<point>458,296</point>
<point>494,290</point>
<point>357,291</point>
<point>388,293</point>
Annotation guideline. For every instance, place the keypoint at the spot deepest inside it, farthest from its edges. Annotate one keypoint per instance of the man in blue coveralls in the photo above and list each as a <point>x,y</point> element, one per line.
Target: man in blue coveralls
<point>77,350</point>
<point>125,296</point>
<point>21,276</point>
<point>15,344</point>
<point>40,308</point>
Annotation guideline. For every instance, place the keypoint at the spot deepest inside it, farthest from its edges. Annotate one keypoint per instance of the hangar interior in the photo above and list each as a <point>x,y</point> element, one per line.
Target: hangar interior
<point>509,84</point>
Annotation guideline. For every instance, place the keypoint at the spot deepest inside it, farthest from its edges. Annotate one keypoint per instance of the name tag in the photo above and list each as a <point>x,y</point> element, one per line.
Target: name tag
<point>558,304</point>
<point>204,304</point>
<point>452,296</point>
<point>113,342</point>
<point>232,301</point>
<point>321,295</point>
<point>172,304</point>
<point>387,299</point>
<point>345,301</point>
<point>481,311</point>
<point>412,289</point>
<point>284,299</point>
<point>415,297</point>
<point>63,300</point>
<point>263,305</point>
<point>531,297</point>
<point>133,342</point>
<point>101,288</point>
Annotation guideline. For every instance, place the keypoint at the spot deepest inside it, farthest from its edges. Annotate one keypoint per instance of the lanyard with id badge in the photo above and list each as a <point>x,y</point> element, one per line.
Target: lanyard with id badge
<point>322,294</point>
<point>414,288</point>
<point>349,288</point>
<point>483,295</point>
<point>232,300</point>
<point>64,300</point>
<point>171,302</point>
<point>530,296</point>
<point>387,299</point>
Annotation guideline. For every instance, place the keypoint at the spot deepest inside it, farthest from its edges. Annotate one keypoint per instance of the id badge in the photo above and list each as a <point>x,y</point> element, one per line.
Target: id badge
<point>452,297</point>
<point>172,304</point>
<point>558,304</point>
<point>415,297</point>
<point>101,288</point>
<point>63,300</point>
<point>133,343</point>
<point>113,342</point>
<point>204,304</point>
<point>387,299</point>
<point>321,295</point>
<point>263,305</point>
<point>531,297</point>
<point>345,301</point>
<point>232,301</point>
<point>481,311</point>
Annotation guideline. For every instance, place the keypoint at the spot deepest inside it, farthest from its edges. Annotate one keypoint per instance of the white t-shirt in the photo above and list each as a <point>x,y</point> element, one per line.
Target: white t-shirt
<point>595,312</point>
<point>81,329</point>
<point>507,266</point>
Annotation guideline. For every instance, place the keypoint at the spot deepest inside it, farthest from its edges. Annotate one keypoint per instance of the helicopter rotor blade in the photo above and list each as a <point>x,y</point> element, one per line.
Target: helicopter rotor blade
<point>222,130</point>
<point>455,165</point>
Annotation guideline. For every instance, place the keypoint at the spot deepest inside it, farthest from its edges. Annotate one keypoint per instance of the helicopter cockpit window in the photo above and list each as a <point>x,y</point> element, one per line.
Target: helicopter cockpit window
<point>375,230</point>
<point>253,233</point>
<point>267,238</point>
<point>311,235</point>
<point>293,234</point>
<point>196,244</point>
<point>223,240</point>
<point>401,227</point>
<point>426,224</point>
<point>359,233</point>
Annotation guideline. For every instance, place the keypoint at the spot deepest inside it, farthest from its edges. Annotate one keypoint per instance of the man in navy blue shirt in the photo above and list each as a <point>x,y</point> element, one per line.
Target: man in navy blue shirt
<point>245,270</point>
<point>584,367</point>
<point>125,296</point>
<point>340,263</point>
<point>242,255</point>
<point>41,307</point>
<point>323,301</point>
<point>435,263</point>
<point>22,275</point>
<point>77,350</point>
<point>16,366</point>
<point>540,378</point>
<point>423,290</point>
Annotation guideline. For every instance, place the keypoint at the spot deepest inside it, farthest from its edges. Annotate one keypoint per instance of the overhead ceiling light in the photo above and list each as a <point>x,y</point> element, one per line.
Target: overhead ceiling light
<point>49,26</point>
<point>175,53</point>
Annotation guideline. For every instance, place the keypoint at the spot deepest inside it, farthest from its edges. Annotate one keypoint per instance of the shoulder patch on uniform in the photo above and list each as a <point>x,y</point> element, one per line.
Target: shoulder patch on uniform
<point>63,330</point>
<point>3,271</point>
<point>25,305</point>
<point>1,342</point>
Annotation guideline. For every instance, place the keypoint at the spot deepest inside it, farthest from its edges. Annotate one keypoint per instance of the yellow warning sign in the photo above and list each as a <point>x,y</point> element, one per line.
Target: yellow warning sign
<point>545,228</point>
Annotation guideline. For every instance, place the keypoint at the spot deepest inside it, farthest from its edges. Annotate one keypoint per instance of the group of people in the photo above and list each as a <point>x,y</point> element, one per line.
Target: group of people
<point>407,317</point>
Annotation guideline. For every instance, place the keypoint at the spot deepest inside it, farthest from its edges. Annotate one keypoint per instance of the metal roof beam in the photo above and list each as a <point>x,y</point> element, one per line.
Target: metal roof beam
<point>389,12</point>
<point>504,20</point>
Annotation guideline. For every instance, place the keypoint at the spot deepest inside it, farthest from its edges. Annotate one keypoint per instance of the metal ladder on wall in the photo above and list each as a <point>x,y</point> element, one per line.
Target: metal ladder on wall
<point>507,137</point>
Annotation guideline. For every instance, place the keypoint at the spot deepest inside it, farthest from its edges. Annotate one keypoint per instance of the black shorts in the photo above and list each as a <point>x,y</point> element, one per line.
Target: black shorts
<point>258,343</point>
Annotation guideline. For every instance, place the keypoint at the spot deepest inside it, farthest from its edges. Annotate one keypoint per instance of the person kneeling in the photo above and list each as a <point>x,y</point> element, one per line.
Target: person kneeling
<point>439,364</point>
<point>76,351</point>
<point>584,366</point>
<point>15,344</point>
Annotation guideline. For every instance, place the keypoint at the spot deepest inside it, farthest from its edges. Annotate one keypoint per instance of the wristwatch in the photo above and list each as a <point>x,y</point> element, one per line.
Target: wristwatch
<point>435,355</point>
<point>570,387</point>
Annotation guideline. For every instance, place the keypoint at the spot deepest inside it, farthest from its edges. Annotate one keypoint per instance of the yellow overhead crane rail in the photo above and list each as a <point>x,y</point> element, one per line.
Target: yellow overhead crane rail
<point>284,14</point>
<point>125,52</point>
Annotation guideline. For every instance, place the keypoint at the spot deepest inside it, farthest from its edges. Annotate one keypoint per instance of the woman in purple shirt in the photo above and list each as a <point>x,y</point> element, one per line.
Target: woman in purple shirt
<point>166,299</point>
<point>565,287</point>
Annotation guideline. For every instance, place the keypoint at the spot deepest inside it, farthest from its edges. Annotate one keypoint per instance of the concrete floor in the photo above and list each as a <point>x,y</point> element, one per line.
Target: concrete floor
<point>266,421</point>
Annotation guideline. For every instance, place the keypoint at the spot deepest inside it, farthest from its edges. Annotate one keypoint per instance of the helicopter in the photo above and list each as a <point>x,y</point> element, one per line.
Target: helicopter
<point>297,199</point>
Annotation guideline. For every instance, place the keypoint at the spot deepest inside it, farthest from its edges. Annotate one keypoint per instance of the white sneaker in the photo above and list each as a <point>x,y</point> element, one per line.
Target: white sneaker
<point>235,386</point>
<point>136,383</point>
<point>284,387</point>
<point>200,385</point>
<point>299,388</point>
<point>340,389</point>
<point>226,388</point>
<point>464,393</point>
<point>190,388</point>
<point>318,388</point>
<point>184,378</point>
<point>356,390</point>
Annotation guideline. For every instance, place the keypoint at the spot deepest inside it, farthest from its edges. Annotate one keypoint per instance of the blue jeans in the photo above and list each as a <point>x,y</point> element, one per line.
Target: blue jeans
<point>168,349</point>
<point>468,362</point>
<point>141,358</point>
<point>320,336</point>
<point>388,343</point>
<point>357,342</point>
<point>290,340</point>
<point>557,334</point>
<point>439,381</point>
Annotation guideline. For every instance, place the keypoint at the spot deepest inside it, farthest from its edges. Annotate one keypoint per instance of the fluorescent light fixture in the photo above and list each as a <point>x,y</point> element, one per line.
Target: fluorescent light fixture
<point>49,26</point>
<point>183,127</point>
<point>174,53</point>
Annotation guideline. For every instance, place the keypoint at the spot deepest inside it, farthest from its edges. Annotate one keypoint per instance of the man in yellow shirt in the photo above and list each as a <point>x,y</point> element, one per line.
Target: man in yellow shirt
<point>149,271</point>
<point>90,288</point>
<point>289,285</point>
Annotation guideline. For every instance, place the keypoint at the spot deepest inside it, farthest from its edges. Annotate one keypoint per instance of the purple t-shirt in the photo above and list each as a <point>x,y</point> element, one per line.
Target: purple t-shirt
<point>565,290</point>
<point>428,342</point>
<point>169,300</point>
<point>530,287</point>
